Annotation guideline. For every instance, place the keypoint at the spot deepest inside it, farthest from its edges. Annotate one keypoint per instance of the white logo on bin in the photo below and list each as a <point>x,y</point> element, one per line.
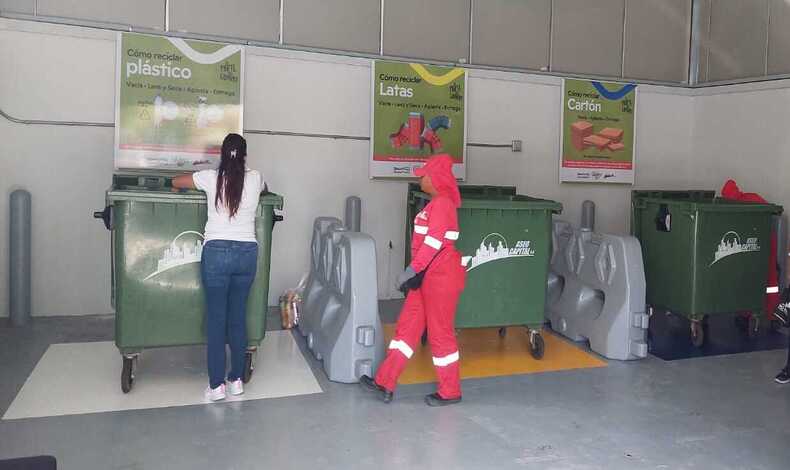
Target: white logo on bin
<point>731,245</point>
<point>494,247</point>
<point>176,254</point>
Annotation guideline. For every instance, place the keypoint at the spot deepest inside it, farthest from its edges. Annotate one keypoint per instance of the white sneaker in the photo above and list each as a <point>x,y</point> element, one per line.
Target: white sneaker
<point>215,394</point>
<point>236,387</point>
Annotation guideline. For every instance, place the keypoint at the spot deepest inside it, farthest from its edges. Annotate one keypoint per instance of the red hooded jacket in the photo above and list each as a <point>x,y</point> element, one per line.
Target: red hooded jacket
<point>436,226</point>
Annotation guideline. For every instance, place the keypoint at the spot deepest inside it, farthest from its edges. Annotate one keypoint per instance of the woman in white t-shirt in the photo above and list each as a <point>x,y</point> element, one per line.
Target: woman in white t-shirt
<point>229,260</point>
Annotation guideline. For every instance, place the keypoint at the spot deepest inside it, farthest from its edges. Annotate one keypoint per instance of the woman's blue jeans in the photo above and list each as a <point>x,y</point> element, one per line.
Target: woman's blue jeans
<point>228,270</point>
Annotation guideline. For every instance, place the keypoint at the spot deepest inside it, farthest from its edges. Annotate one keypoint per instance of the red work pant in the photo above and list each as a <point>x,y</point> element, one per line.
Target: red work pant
<point>432,305</point>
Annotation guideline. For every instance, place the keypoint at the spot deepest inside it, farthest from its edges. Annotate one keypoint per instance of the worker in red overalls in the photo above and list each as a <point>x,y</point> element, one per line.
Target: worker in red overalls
<point>731,191</point>
<point>776,307</point>
<point>433,303</point>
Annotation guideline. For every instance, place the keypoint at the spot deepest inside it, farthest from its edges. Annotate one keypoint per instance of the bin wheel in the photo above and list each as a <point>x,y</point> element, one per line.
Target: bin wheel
<point>127,374</point>
<point>698,335</point>
<point>502,332</point>
<point>536,345</point>
<point>249,367</point>
<point>754,326</point>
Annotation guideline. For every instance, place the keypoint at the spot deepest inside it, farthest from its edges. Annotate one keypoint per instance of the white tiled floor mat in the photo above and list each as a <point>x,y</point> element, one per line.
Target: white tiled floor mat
<point>81,378</point>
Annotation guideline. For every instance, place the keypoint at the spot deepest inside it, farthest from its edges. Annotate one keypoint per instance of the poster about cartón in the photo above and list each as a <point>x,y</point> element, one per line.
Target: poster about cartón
<point>176,101</point>
<point>417,111</point>
<point>598,132</point>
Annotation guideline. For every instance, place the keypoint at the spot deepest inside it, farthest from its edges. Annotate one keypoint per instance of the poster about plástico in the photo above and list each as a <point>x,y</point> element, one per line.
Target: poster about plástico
<point>598,132</point>
<point>176,100</point>
<point>417,111</point>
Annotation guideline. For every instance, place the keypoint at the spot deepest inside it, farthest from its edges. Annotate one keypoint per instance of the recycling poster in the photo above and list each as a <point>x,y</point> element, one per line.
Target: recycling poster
<point>598,135</point>
<point>176,101</point>
<point>417,111</point>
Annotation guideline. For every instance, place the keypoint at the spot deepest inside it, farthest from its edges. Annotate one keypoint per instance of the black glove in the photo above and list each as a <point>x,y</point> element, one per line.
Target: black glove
<point>404,278</point>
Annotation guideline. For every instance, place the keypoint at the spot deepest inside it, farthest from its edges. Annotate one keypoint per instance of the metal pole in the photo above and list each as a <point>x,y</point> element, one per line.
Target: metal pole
<point>19,264</point>
<point>353,214</point>
<point>588,216</point>
<point>695,43</point>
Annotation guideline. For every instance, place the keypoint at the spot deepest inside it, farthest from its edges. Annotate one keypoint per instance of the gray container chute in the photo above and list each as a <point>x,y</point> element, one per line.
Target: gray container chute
<point>340,308</point>
<point>316,287</point>
<point>596,291</point>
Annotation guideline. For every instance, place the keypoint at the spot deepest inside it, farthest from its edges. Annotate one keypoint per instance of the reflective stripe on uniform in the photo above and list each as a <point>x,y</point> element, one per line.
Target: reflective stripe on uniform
<point>402,347</point>
<point>451,235</point>
<point>446,360</point>
<point>772,290</point>
<point>432,242</point>
<point>421,229</point>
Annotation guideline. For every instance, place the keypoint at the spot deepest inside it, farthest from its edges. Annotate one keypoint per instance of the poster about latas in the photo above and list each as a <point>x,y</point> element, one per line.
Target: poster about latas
<point>176,100</point>
<point>418,111</point>
<point>598,132</point>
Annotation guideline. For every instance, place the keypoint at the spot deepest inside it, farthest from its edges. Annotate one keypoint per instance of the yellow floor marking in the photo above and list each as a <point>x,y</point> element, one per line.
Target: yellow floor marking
<point>485,354</point>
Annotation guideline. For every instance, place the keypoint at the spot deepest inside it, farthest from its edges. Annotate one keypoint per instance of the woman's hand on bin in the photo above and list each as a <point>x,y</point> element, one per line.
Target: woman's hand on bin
<point>184,181</point>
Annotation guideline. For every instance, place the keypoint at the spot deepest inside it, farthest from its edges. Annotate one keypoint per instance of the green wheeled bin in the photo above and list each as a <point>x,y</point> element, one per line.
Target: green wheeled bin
<point>704,256</point>
<point>157,241</point>
<point>683,195</point>
<point>415,204</point>
<point>505,242</point>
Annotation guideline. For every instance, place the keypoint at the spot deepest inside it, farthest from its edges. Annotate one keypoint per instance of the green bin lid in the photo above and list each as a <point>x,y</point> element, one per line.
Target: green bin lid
<point>688,194</point>
<point>715,205</point>
<point>151,187</point>
<point>503,202</point>
<point>190,196</point>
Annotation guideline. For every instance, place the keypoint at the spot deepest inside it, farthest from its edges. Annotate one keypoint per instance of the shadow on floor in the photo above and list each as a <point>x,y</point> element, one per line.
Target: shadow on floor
<point>670,337</point>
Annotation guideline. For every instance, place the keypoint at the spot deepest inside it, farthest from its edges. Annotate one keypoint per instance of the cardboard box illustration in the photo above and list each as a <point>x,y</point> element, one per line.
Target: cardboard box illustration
<point>596,141</point>
<point>579,131</point>
<point>613,134</point>
<point>616,146</point>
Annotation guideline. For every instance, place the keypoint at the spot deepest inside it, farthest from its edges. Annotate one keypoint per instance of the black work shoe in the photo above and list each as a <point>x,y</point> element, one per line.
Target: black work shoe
<point>435,400</point>
<point>784,376</point>
<point>370,385</point>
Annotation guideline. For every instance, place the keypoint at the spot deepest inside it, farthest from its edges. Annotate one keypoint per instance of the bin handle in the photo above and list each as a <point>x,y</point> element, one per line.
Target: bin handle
<point>152,182</point>
<point>277,217</point>
<point>663,219</point>
<point>105,216</point>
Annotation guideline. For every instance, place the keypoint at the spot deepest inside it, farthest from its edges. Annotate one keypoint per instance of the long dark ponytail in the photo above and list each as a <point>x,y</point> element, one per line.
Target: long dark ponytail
<point>230,175</point>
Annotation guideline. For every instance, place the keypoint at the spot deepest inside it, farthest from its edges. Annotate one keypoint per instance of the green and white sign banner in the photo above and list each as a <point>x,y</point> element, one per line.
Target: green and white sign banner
<point>598,132</point>
<point>417,111</point>
<point>176,101</point>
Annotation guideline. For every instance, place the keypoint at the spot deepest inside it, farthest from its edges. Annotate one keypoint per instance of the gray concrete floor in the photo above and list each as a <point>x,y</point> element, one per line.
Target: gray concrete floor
<point>720,412</point>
